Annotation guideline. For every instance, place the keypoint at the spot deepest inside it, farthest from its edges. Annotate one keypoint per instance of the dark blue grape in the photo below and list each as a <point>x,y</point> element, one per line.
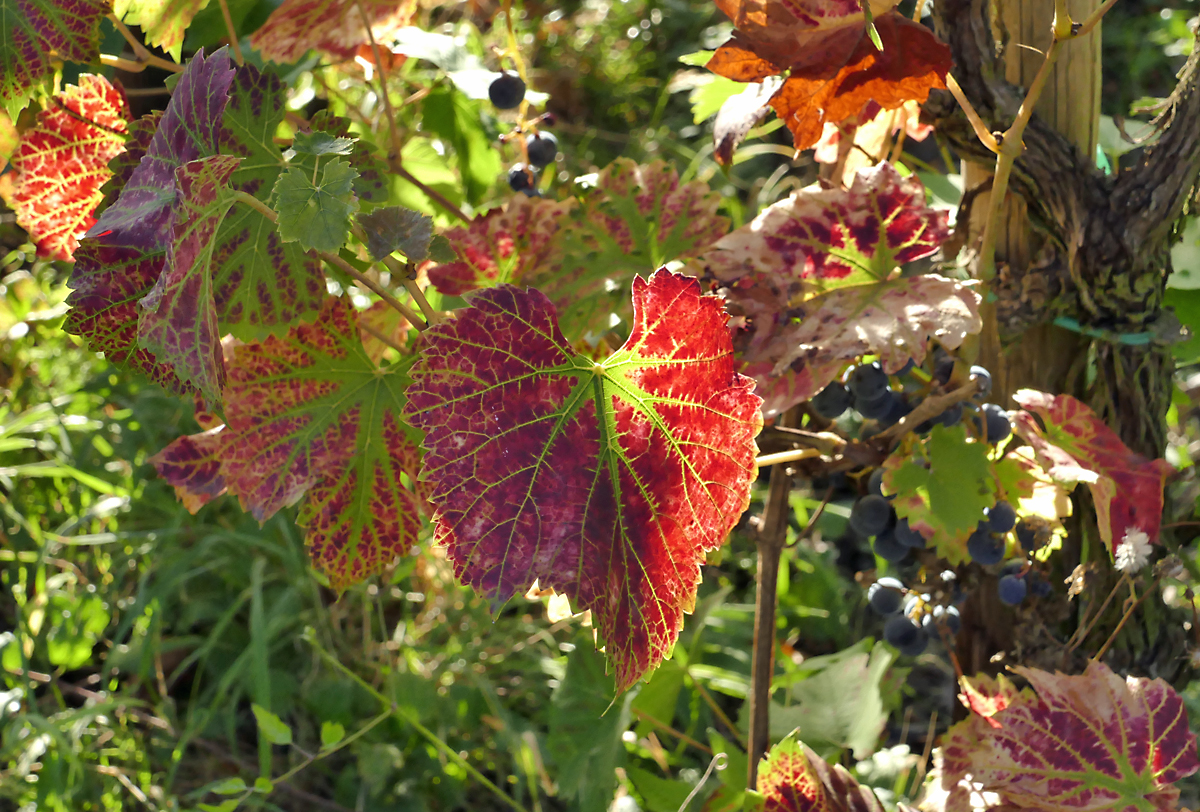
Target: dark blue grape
<point>1012,589</point>
<point>541,148</point>
<point>943,368</point>
<point>907,536</point>
<point>870,515</point>
<point>1027,536</point>
<point>877,408</point>
<point>950,417</point>
<point>900,631</point>
<point>942,615</point>
<point>899,409</point>
<point>868,381</point>
<point>985,548</point>
<point>507,91</point>
<point>915,647</point>
<point>983,379</point>
<point>1002,517</point>
<point>888,548</point>
<point>875,482</point>
<point>998,427</point>
<point>1038,585</point>
<point>522,179</point>
<point>832,401</point>
<point>908,367</point>
<point>886,596</point>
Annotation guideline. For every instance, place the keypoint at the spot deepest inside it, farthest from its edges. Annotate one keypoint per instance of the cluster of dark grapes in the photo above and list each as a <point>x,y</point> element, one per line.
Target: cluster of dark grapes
<point>913,617</point>
<point>507,92</point>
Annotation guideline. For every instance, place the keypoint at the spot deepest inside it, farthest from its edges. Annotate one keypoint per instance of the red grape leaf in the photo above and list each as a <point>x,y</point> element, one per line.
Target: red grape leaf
<point>605,481</point>
<point>310,417</point>
<point>1096,741</point>
<point>332,26</point>
<point>178,321</point>
<point>987,696</point>
<point>514,244</point>
<point>833,69</point>
<point>62,163</point>
<point>163,22</point>
<point>138,136</point>
<point>792,778</point>
<point>38,34</point>
<point>1127,489</point>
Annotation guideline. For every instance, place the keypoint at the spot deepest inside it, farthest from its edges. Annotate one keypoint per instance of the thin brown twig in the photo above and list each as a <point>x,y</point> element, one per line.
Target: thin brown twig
<point>234,45</point>
<point>1095,18</point>
<point>665,728</point>
<point>381,337</point>
<point>929,408</point>
<point>143,54</point>
<point>407,275</point>
<point>1079,636</point>
<point>812,520</point>
<point>712,704</point>
<point>767,460</point>
<point>1133,605</point>
<point>433,194</point>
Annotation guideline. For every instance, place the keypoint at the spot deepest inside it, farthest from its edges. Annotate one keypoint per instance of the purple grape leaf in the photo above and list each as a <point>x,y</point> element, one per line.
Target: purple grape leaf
<point>605,481</point>
<point>312,419</point>
<point>1095,741</point>
<point>818,240</point>
<point>1077,446</point>
<point>792,778</point>
<point>137,142</point>
<point>178,320</point>
<point>38,34</point>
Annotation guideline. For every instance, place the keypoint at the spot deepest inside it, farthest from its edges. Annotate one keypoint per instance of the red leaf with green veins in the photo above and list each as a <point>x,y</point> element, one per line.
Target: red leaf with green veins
<point>987,696</point>
<point>334,27</point>
<point>606,481</point>
<point>1096,741</point>
<point>63,161</point>
<point>1077,446</point>
<point>37,35</point>
<point>310,417</point>
<point>108,281</point>
<point>178,321</point>
<point>792,778</point>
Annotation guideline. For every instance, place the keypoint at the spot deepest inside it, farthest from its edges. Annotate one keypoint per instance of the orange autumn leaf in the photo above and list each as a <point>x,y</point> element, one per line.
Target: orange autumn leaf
<point>62,162</point>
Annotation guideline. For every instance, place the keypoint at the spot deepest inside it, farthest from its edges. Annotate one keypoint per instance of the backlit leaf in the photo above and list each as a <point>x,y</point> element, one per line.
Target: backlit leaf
<point>138,136</point>
<point>457,120</point>
<point>164,22</point>
<point>321,143</point>
<point>62,162</point>
<point>1095,741</point>
<point>312,419</point>
<point>1077,446</point>
<point>192,465</point>
<point>39,33</point>
<point>316,214</point>
<point>374,182</point>
<point>605,481</point>
<point>396,228</point>
<point>833,68</point>
<point>334,27</point>
<point>178,320</point>
<point>792,778</point>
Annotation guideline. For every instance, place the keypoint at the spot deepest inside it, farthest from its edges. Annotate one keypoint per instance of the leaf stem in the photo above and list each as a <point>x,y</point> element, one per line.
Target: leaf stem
<point>234,45</point>
<point>393,130</point>
<point>716,709</point>
<point>1079,636</point>
<point>396,710</point>
<point>767,460</point>
<point>665,728</point>
<point>381,337</point>
<point>977,123</point>
<point>120,63</point>
<point>433,194</point>
<point>1131,605</point>
<point>143,54</point>
<point>333,259</point>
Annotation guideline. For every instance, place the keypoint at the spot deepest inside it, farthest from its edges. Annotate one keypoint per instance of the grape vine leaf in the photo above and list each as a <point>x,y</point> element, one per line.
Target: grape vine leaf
<point>1076,446</point>
<point>1094,741</point>
<point>61,164</point>
<point>942,485</point>
<point>316,213</point>
<point>178,321</point>
<point>373,184</point>
<point>138,136</point>
<point>311,418</point>
<point>514,244</point>
<point>163,22</point>
<point>191,464</point>
<point>395,228</point>
<point>986,696</point>
<point>833,69</point>
<point>381,319</point>
<point>605,481</point>
<point>792,778</point>
<point>319,142</point>
<point>334,27</point>
<point>38,34</point>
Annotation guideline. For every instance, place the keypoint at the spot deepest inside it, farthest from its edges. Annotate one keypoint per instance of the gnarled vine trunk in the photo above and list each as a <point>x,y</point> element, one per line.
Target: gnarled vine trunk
<point>1081,248</point>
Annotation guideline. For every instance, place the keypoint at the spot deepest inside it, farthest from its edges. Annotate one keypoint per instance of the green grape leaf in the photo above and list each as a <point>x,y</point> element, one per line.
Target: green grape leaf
<point>395,228</point>
<point>164,22</point>
<point>38,34</point>
<point>317,215</point>
<point>374,182</point>
<point>318,142</point>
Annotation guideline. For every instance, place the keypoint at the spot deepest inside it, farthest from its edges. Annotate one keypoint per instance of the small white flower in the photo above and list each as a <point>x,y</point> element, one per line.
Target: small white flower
<point>1133,552</point>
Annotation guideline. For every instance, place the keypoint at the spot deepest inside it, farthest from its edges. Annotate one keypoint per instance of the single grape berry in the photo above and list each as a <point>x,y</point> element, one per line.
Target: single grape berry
<point>915,647</point>
<point>899,409</point>
<point>998,427</point>
<point>875,483</point>
<point>832,401</point>
<point>868,381</point>
<point>507,91</point>
<point>943,368</point>
<point>541,148</point>
<point>886,596</point>
<point>1012,589</point>
<point>942,615</point>
<point>983,379</point>
<point>870,515</point>
<point>522,179</point>
<point>985,548</point>
<point>1002,517</point>
<point>888,548</point>
<point>951,416</point>
<point>878,407</point>
<point>1027,535</point>
<point>907,368</point>
<point>907,536</point>
<point>900,631</point>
